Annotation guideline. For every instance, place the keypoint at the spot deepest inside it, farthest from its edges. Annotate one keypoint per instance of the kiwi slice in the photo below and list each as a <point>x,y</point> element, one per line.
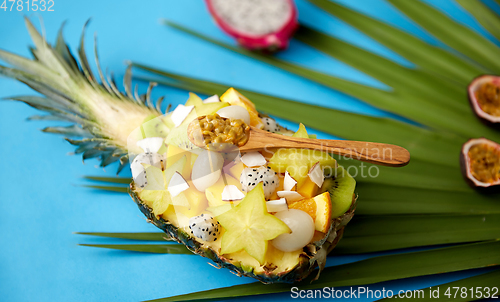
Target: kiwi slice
<point>154,126</point>
<point>341,188</point>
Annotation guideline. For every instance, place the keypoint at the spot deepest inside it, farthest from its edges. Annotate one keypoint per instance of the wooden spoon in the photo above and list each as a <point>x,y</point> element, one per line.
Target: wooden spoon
<point>375,153</point>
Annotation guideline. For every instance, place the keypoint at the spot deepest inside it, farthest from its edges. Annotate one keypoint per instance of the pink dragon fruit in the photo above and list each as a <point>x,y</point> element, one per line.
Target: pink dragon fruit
<point>256,24</point>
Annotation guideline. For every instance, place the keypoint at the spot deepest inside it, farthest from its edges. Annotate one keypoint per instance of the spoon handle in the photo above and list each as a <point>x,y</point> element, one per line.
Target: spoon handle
<point>375,153</point>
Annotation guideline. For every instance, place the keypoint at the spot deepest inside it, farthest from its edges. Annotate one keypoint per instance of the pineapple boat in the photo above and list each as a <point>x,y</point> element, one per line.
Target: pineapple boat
<point>272,215</point>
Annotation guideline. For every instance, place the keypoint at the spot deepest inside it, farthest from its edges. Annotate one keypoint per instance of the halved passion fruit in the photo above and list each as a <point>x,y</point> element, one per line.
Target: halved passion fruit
<point>480,161</point>
<point>484,97</point>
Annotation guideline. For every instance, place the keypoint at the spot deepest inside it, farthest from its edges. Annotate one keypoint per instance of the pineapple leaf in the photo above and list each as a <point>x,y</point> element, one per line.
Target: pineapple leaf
<point>84,63</point>
<point>145,248</point>
<point>369,271</point>
<point>71,131</point>
<point>72,93</point>
<point>131,236</point>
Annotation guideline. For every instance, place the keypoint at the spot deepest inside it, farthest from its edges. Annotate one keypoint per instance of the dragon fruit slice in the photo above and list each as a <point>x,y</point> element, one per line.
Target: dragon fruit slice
<point>256,24</point>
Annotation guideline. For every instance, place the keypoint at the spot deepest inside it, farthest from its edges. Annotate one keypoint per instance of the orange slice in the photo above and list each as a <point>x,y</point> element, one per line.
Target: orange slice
<point>319,208</point>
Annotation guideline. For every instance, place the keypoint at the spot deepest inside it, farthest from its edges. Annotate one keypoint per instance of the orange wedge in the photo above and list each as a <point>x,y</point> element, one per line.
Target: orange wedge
<point>233,97</point>
<point>319,208</point>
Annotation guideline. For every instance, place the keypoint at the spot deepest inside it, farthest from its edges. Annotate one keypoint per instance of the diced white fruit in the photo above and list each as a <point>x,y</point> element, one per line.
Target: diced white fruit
<point>288,182</point>
<point>180,113</point>
<point>302,227</point>
<point>151,144</point>
<point>290,196</point>
<point>277,205</point>
<point>177,184</point>
<point>316,175</point>
<point>235,112</point>
<point>138,170</point>
<point>213,99</point>
<point>253,159</point>
<point>231,193</point>
<point>206,169</point>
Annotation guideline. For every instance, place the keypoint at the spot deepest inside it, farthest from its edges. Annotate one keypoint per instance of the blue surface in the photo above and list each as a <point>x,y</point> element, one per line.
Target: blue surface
<point>40,203</point>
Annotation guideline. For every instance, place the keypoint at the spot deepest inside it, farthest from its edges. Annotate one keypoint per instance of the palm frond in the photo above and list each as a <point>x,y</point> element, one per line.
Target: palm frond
<point>373,270</point>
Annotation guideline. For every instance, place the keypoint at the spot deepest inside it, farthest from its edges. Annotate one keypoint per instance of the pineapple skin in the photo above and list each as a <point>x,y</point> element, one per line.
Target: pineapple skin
<point>313,256</point>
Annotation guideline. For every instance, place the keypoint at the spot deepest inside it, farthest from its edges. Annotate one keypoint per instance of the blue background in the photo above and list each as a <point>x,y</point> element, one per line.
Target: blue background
<point>41,202</point>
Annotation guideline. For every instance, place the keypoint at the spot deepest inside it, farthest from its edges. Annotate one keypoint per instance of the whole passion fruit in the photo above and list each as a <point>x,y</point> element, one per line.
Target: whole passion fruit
<point>484,97</point>
<point>480,162</point>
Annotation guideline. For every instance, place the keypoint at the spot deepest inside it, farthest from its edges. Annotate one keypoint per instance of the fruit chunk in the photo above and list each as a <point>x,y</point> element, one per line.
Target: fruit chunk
<point>204,227</point>
<point>194,100</point>
<point>319,208</point>
<point>156,194</point>
<point>480,161</point>
<point>256,24</point>
<point>233,97</point>
<point>341,188</point>
<point>175,153</point>
<point>249,226</point>
<point>214,192</point>
<point>302,132</point>
<point>178,136</point>
<point>308,188</point>
<point>484,97</point>
<point>298,162</point>
<point>302,227</point>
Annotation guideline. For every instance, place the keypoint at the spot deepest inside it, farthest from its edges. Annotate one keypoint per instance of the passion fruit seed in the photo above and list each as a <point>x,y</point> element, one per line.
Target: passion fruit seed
<point>488,98</point>
<point>485,163</point>
<point>212,130</point>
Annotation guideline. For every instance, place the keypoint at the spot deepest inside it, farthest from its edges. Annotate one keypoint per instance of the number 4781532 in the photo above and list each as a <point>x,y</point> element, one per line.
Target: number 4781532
<point>29,5</point>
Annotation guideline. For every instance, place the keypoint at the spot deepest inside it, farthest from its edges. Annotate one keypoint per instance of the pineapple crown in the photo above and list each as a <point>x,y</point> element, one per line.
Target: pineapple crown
<point>102,116</point>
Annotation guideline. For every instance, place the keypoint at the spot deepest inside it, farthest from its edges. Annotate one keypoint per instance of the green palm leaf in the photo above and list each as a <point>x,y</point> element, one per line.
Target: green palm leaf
<point>488,19</point>
<point>369,234</point>
<point>145,248</point>
<point>457,36</point>
<point>478,283</point>
<point>434,59</point>
<point>130,236</point>
<point>373,270</point>
<point>413,108</point>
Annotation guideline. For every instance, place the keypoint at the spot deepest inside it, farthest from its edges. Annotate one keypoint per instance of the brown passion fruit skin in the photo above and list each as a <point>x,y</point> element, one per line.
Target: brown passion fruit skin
<point>477,84</point>
<point>466,166</point>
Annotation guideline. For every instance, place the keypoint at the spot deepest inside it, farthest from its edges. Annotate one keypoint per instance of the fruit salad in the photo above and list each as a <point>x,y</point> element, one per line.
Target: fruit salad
<point>273,215</point>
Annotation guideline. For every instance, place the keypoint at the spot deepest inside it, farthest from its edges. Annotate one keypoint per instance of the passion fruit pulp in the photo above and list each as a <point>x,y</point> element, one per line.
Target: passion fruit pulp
<point>480,162</point>
<point>484,97</point>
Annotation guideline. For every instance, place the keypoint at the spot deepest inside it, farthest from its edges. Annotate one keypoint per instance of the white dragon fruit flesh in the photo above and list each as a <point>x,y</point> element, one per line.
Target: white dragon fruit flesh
<point>205,227</point>
<point>138,170</point>
<point>256,24</point>
<point>270,125</point>
<point>250,177</point>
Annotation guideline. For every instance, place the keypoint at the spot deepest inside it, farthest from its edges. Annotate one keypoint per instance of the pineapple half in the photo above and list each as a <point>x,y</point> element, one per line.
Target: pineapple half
<point>105,120</point>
